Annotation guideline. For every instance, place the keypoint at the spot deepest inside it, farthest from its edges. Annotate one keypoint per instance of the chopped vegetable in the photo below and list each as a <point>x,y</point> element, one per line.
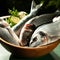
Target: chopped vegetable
<point>13,12</point>
<point>22,14</point>
<point>10,22</point>
<point>14,19</point>
<point>15,16</point>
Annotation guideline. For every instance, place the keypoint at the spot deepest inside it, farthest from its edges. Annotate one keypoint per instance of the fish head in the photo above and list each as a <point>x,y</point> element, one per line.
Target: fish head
<point>26,34</point>
<point>38,39</point>
<point>3,23</point>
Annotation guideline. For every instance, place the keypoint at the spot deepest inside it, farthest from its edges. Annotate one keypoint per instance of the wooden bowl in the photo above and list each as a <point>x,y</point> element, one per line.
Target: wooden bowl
<point>29,51</point>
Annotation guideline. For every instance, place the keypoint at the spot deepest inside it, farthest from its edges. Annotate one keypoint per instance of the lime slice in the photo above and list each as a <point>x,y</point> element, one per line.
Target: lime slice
<point>15,19</point>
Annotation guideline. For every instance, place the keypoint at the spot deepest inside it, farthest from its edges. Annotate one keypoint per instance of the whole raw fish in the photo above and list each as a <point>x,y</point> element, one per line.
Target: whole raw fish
<point>7,33</point>
<point>46,34</point>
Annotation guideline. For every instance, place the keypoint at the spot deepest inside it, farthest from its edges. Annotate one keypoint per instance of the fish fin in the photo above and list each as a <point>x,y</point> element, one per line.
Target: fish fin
<point>33,5</point>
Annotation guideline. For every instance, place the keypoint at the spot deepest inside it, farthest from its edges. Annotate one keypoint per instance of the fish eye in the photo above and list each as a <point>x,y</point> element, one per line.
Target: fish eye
<point>34,39</point>
<point>42,33</point>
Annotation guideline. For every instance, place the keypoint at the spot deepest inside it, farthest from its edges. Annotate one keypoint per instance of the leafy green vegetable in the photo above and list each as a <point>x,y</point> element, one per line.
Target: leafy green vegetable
<point>15,16</point>
<point>10,22</point>
<point>13,12</point>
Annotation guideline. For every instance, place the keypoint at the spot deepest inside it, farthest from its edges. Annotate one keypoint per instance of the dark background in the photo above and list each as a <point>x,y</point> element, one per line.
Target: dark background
<point>24,5</point>
<point>20,5</point>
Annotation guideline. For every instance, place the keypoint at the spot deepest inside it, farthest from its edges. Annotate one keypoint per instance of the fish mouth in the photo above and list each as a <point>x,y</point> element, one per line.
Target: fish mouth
<point>2,25</point>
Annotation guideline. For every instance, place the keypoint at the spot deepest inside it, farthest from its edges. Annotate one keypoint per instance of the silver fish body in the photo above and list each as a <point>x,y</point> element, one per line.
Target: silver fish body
<point>4,34</point>
<point>33,12</point>
<point>47,34</point>
<point>35,22</point>
<point>7,33</point>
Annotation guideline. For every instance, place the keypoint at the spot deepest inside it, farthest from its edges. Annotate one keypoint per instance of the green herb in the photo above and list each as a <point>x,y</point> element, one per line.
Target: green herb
<point>10,22</point>
<point>15,17</point>
<point>13,12</point>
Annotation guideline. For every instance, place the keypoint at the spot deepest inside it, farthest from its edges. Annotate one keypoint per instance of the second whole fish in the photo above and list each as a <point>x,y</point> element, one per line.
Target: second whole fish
<point>46,34</point>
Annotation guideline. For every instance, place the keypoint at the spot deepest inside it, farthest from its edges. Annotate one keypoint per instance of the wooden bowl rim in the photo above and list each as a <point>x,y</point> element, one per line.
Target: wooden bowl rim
<point>44,46</point>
